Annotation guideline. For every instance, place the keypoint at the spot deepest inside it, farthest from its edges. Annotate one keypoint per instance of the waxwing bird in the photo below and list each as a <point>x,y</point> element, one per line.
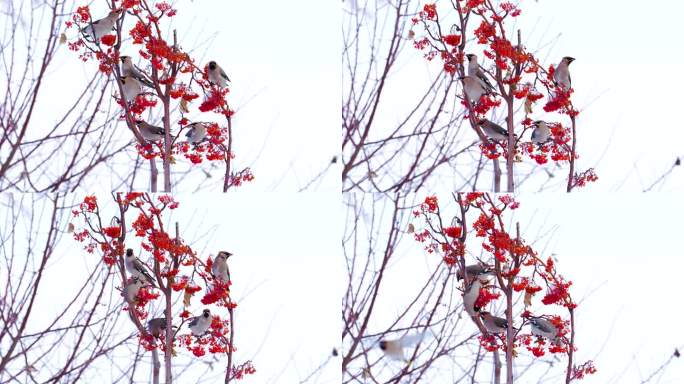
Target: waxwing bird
<point>128,69</point>
<point>475,71</point>
<point>200,324</point>
<point>132,288</point>
<point>216,75</point>
<point>470,296</point>
<point>544,328</point>
<point>541,133</point>
<point>473,89</point>
<point>156,326</point>
<point>136,268</point>
<point>219,269</point>
<point>492,130</point>
<point>494,324</point>
<point>98,28</point>
<point>394,349</point>
<point>196,133</point>
<point>475,270</point>
<point>150,132</point>
<point>561,75</point>
<point>131,88</point>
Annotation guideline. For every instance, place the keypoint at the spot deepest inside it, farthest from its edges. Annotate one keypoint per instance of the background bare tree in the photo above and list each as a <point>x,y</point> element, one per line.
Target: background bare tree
<point>82,328</point>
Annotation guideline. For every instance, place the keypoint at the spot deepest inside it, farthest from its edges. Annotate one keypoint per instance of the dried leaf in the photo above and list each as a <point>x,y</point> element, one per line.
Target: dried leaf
<point>372,174</point>
<point>411,228</point>
<point>411,34</point>
<point>528,106</point>
<point>70,227</point>
<point>62,38</point>
<point>528,299</point>
<point>184,106</point>
<point>186,299</point>
<point>366,373</point>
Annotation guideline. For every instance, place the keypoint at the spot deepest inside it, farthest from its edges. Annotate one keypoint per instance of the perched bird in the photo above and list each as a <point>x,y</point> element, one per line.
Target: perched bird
<point>470,296</point>
<point>132,288</point>
<point>128,69</point>
<point>150,132</point>
<point>473,89</point>
<point>200,324</point>
<point>561,75</point>
<point>131,88</point>
<point>544,328</point>
<point>494,324</point>
<point>196,133</point>
<point>136,267</point>
<point>217,75</point>
<point>219,269</point>
<point>394,349</point>
<point>541,133</point>
<point>475,270</point>
<point>474,70</point>
<point>156,326</point>
<point>492,130</point>
<point>98,28</point>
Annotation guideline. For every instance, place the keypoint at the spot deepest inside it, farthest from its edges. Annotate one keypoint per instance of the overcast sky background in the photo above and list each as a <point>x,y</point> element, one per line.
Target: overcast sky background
<point>621,251</point>
<point>283,271</point>
<point>628,128</point>
<point>285,86</point>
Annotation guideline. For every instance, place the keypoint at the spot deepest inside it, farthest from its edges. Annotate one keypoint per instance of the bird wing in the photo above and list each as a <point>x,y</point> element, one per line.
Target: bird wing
<point>140,267</point>
<point>191,131</point>
<point>497,128</point>
<point>544,325</point>
<point>157,130</point>
<point>482,76</point>
<point>500,322</point>
<point>195,321</point>
<point>223,74</point>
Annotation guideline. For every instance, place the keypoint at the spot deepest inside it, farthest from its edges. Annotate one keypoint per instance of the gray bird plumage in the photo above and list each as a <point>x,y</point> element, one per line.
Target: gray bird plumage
<point>131,88</point>
<point>494,324</point>
<point>561,74</point>
<point>475,71</point>
<point>150,132</point>
<point>136,268</point>
<point>544,328</point>
<point>473,89</point>
<point>474,270</point>
<point>217,75</point>
<point>492,130</point>
<point>156,326</point>
<point>541,133</point>
<point>128,69</point>
<point>196,133</point>
<point>200,324</point>
<point>470,296</point>
<point>219,269</point>
<point>394,349</point>
<point>98,28</point>
<point>132,288</point>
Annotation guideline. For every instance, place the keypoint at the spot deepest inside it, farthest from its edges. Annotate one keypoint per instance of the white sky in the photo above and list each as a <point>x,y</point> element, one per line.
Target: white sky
<point>623,255</point>
<point>283,272</point>
<point>285,84</point>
